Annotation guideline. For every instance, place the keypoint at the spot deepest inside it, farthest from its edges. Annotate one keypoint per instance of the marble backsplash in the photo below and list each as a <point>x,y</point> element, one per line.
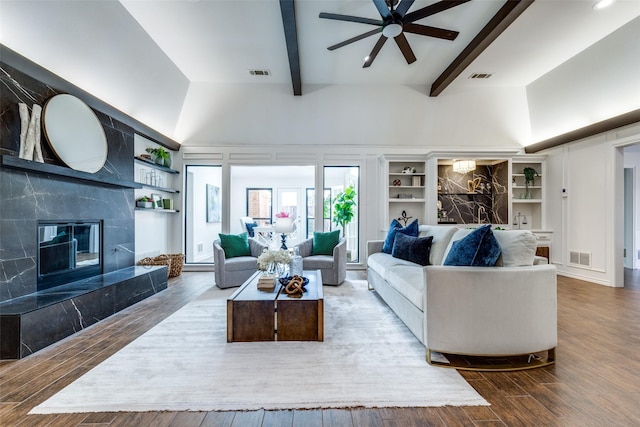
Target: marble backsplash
<point>480,196</point>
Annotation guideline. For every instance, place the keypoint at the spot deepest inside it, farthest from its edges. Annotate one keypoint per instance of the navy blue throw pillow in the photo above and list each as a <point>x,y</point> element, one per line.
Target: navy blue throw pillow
<point>478,249</point>
<point>414,249</point>
<point>394,228</point>
<point>250,226</point>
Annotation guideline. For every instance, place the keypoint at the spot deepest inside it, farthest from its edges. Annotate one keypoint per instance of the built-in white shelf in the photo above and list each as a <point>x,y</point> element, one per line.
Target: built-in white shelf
<point>158,210</point>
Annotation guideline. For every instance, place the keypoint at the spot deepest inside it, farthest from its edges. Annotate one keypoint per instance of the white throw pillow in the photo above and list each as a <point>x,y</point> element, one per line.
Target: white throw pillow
<point>518,247</point>
<point>441,240</point>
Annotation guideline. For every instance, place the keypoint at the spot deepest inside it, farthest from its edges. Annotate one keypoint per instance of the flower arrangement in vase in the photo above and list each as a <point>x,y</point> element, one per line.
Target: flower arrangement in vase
<point>274,261</point>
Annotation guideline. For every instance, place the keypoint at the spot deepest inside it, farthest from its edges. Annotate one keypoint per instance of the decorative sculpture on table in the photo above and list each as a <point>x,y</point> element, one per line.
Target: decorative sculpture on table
<point>294,287</point>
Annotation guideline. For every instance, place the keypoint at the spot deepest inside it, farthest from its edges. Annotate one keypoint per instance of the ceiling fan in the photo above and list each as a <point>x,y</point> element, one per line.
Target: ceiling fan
<point>395,22</point>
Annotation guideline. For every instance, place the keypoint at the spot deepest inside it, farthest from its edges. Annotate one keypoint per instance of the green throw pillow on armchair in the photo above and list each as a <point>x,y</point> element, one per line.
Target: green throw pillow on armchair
<point>323,243</point>
<point>235,245</point>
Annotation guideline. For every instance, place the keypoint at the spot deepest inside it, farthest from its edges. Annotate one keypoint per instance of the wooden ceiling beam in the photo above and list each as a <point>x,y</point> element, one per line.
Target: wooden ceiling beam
<point>584,132</point>
<point>288,10</point>
<point>500,21</point>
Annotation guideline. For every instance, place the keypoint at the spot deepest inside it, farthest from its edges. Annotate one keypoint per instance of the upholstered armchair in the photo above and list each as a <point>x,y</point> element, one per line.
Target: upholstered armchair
<point>333,267</point>
<point>235,271</point>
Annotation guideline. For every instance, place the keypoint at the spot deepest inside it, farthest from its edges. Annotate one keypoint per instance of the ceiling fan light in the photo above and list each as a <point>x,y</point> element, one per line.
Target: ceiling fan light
<point>464,166</point>
<point>392,30</point>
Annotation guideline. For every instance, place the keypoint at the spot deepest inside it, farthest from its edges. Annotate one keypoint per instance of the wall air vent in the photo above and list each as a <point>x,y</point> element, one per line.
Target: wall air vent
<point>480,76</point>
<point>580,259</point>
<point>260,72</point>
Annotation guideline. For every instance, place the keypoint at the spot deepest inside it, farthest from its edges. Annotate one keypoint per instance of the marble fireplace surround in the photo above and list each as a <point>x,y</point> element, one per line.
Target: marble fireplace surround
<point>33,191</point>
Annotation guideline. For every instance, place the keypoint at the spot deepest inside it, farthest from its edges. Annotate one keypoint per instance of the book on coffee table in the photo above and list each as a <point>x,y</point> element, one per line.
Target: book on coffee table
<point>266,283</point>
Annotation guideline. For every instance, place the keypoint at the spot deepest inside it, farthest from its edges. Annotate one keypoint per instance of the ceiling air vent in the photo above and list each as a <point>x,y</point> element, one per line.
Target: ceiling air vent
<point>260,72</point>
<point>480,76</point>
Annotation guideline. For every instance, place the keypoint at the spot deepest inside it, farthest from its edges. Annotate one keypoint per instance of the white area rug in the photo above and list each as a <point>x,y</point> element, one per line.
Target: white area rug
<point>368,359</point>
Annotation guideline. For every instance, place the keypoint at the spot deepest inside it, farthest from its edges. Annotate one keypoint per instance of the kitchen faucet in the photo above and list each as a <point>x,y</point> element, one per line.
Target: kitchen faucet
<point>481,210</point>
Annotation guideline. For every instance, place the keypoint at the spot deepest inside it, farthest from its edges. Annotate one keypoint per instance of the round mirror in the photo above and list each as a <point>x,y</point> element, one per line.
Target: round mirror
<point>74,133</point>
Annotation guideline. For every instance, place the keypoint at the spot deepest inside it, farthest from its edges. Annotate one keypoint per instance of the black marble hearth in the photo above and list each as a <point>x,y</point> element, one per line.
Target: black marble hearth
<point>32,322</point>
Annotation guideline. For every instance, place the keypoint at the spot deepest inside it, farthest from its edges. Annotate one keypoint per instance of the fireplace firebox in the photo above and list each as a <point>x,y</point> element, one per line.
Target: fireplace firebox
<point>68,251</point>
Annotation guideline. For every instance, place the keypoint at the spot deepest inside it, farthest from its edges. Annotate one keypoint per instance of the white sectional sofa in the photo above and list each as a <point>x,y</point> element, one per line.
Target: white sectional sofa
<point>509,309</point>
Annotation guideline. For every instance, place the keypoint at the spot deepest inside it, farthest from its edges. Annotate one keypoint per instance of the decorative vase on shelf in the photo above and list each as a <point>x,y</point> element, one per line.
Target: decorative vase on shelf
<point>167,161</point>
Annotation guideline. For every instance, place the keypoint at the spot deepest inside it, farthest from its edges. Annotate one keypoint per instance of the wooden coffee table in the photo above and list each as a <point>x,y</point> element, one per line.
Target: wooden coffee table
<point>254,315</point>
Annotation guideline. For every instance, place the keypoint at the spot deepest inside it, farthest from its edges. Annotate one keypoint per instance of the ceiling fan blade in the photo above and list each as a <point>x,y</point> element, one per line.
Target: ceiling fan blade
<point>374,52</point>
<point>425,30</point>
<point>403,44</point>
<point>404,6</point>
<point>355,39</point>
<point>349,18</point>
<point>432,9</point>
<point>382,8</point>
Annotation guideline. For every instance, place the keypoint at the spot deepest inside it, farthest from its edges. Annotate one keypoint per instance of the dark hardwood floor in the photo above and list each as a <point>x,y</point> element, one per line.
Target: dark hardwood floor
<point>595,382</point>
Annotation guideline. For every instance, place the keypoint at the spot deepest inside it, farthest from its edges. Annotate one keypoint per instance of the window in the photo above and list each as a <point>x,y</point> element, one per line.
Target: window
<point>259,204</point>
<point>326,211</point>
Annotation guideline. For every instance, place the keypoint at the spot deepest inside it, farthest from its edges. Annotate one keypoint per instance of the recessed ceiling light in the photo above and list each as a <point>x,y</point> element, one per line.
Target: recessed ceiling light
<point>601,4</point>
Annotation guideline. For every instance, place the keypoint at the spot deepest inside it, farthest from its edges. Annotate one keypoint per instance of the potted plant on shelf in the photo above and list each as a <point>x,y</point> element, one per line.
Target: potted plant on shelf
<point>144,202</point>
<point>529,176</point>
<point>343,205</point>
<point>160,156</point>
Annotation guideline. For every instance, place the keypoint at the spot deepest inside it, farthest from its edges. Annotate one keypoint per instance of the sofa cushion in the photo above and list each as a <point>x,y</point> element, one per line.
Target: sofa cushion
<point>442,235</point>
<point>479,249</point>
<point>323,243</point>
<point>241,263</point>
<point>408,281</point>
<point>394,228</point>
<point>414,249</point>
<point>381,263</point>
<point>518,247</point>
<point>235,245</point>
<point>315,262</point>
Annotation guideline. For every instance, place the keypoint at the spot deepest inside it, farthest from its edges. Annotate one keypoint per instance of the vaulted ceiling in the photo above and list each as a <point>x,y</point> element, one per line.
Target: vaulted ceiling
<point>155,50</point>
<point>221,41</point>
